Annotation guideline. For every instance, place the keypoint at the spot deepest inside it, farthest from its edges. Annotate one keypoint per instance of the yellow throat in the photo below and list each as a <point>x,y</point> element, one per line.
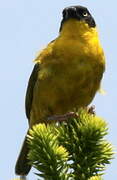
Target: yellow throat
<point>78,39</point>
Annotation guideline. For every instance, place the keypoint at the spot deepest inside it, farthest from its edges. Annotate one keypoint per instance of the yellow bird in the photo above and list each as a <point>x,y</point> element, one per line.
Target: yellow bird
<point>67,74</point>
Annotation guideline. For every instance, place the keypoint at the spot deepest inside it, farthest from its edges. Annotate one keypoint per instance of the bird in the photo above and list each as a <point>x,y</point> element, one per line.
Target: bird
<point>66,75</point>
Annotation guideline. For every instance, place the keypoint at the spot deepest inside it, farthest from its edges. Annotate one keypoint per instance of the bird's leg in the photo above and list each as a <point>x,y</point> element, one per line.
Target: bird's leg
<point>64,117</point>
<point>61,118</point>
<point>91,110</point>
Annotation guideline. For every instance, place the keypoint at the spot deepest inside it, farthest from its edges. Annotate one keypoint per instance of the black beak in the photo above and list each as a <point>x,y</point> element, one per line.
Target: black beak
<point>70,12</point>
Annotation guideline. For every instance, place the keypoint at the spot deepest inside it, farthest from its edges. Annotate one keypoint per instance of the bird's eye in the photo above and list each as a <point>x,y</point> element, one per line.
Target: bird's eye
<point>85,14</point>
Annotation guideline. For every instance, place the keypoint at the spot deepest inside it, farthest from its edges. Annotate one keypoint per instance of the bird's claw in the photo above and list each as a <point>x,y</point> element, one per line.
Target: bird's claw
<point>91,110</point>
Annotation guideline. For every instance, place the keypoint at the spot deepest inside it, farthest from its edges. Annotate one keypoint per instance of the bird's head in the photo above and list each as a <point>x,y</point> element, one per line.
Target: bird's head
<point>76,18</point>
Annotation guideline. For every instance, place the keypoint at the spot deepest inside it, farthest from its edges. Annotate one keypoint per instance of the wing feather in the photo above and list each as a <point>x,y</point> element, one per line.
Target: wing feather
<point>30,88</point>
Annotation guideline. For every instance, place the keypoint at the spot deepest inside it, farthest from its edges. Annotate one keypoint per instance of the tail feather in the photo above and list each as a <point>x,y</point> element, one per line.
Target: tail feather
<point>22,167</point>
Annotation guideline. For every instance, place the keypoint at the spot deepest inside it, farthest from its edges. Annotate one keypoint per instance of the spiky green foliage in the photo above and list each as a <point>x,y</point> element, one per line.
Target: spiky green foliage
<point>83,139</point>
<point>74,150</point>
<point>46,155</point>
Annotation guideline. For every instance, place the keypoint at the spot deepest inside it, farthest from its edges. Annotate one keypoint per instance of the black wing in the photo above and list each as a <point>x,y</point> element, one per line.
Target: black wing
<point>29,92</point>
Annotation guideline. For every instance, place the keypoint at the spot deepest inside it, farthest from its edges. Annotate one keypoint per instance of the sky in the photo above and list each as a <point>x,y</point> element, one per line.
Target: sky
<point>26,26</point>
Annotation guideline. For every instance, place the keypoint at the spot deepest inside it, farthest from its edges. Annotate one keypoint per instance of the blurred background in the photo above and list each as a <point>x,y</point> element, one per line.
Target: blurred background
<point>26,27</point>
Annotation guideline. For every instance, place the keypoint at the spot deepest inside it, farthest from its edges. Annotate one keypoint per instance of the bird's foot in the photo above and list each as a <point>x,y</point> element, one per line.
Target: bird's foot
<point>91,110</point>
<point>62,118</point>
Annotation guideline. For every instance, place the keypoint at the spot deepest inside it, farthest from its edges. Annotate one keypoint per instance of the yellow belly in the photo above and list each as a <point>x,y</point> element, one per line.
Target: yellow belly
<point>63,88</point>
